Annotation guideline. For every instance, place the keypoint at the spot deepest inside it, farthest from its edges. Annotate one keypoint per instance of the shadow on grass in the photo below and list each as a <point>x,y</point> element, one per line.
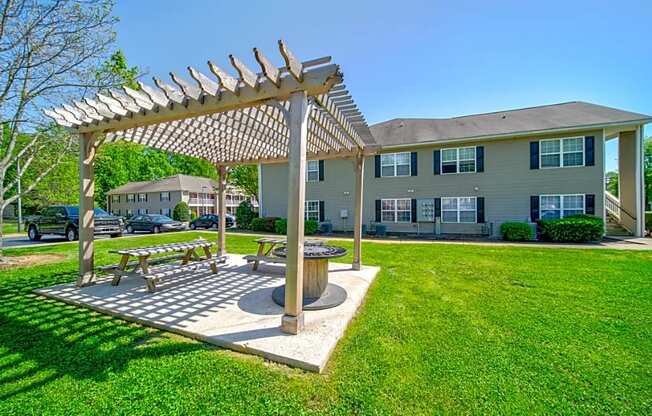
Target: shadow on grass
<point>42,340</point>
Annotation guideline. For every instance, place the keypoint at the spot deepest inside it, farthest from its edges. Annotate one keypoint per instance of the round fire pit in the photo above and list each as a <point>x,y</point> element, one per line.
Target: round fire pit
<point>317,292</point>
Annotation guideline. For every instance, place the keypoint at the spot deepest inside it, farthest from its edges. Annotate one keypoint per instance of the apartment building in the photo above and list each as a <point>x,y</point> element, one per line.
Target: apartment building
<point>162,195</point>
<point>468,175</point>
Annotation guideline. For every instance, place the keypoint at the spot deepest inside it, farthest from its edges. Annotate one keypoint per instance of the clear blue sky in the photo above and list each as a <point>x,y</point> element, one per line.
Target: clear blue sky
<point>418,58</point>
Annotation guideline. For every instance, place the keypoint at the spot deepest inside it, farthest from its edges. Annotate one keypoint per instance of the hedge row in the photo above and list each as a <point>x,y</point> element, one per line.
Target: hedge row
<point>516,231</point>
<point>280,225</point>
<point>575,228</point>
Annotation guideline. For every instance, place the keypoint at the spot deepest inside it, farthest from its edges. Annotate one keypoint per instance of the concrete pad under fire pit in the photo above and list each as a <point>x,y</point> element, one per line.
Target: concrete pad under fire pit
<point>232,309</point>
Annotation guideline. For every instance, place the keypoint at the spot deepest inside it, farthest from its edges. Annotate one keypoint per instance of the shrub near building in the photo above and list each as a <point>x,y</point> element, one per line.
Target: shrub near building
<point>516,231</point>
<point>181,212</point>
<point>244,215</point>
<point>576,228</point>
<point>309,226</point>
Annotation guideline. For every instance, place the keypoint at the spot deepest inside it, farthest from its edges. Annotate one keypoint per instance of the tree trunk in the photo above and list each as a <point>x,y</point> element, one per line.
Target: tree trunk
<point>2,236</point>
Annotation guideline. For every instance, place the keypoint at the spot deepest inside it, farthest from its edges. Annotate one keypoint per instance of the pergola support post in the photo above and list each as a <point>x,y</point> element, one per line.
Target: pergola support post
<point>86,229</point>
<point>297,121</point>
<point>357,214</point>
<point>221,197</point>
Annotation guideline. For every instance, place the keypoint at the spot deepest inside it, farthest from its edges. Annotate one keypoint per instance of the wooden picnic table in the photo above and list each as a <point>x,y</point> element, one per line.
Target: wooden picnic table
<point>143,260</point>
<point>265,247</point>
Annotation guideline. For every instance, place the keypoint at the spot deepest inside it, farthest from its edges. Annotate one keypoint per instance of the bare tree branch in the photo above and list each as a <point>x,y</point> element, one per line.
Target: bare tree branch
<point>50,51</point>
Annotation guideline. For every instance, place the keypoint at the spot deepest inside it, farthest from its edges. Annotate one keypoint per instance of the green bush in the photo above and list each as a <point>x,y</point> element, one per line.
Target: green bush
<point>244,214</point>
<point>648,221</point>
<point>309,227</point>
<point>576,228</point>
<point>193,215</point>
<point>516,231</point>
<point>281,226</point>
<point>181,212</point>
<point>265,224</point>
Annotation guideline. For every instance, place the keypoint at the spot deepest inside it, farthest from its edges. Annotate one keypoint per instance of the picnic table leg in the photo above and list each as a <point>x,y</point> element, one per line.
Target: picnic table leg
<point>117,273</point>
<point>209,256</point>
<point>144,266</point>
<point>186,257</point>
<point>261,251</point>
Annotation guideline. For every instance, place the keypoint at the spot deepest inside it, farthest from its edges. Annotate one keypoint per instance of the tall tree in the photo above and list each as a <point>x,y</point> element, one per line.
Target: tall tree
<point>49,52</point>
<point>245,177</point>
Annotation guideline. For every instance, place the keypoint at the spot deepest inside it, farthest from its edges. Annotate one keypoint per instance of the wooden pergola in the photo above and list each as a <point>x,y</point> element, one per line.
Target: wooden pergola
<point>282,114</point>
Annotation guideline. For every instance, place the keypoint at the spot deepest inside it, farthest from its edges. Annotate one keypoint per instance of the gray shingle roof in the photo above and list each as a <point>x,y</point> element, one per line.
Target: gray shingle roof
<point>571,115</point>
<point>172,183</point>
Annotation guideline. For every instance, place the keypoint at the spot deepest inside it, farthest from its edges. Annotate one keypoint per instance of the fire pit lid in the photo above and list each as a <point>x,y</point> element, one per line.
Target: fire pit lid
<point>314,252</point>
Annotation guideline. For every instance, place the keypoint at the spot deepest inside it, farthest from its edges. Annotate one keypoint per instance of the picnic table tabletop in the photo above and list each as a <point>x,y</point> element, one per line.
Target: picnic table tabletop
<point>163,248</point>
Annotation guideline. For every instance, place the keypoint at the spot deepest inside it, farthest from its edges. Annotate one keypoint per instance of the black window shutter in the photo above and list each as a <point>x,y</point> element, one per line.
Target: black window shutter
<point>437,208</point>
<point>480,209</point>
<point>479,159</point>
<point>534,208</point>
<point>534,155</point>
<point>377,165</point>
<point>378,210</point>
<point>321,211</point>
<point>321,170</point>
<point>160,197</point>
<point>146,197</point>
<point>413,164</point>
<point>414,210</point>
<point>589,151</point>
<point>436,162</point>
<point>589,204</point>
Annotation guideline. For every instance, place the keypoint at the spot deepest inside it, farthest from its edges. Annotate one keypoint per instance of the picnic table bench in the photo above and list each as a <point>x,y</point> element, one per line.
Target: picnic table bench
<point>265,247</point>
<point>187,253</point>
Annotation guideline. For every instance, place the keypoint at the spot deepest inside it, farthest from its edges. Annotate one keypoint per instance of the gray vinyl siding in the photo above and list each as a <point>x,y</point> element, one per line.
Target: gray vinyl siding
<point>153,203</point>
<point>506,184</point>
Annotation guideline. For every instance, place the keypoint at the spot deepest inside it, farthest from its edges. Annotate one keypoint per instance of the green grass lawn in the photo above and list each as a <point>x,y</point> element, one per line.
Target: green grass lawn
<point>9,228</point>
<point>444,329</point>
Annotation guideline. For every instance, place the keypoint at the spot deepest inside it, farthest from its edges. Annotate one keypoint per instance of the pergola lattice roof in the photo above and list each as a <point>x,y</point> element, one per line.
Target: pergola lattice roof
<point>227,119</point>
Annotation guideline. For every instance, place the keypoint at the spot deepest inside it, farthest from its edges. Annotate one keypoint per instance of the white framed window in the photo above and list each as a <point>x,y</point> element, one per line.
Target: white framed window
<point>142,211</point>
<point>462,209</point>
<point>131,197</point>
<point>142,197</point>
<point>165,196</point>
<point>560,206</point>
<point>396,210</point>
<point>165,211</point>
<point>115,198</point>
<point>129,213</point>
<point>312,171</point>
<point>458,160</point>
<point>312,210</point>
<point>561,153</point>
<point>395,164</point>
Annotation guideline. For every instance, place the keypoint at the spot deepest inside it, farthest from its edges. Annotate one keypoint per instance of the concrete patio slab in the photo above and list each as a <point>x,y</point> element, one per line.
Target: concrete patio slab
<point>232,309</point>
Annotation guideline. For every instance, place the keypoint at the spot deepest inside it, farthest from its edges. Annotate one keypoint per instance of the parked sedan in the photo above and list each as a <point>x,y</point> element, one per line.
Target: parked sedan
<point>211,221</point>
<point>153,223</point>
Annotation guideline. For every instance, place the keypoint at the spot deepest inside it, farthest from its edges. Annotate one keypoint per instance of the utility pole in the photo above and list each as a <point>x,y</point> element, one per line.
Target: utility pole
<point>20,202</point>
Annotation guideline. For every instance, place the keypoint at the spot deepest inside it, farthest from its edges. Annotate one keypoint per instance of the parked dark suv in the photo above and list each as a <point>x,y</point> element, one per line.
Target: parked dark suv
<point>64,220</point>
<point>211,221</point>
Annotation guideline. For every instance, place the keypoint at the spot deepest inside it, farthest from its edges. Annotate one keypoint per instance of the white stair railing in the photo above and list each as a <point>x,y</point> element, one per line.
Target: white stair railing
<point>612,204</point>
